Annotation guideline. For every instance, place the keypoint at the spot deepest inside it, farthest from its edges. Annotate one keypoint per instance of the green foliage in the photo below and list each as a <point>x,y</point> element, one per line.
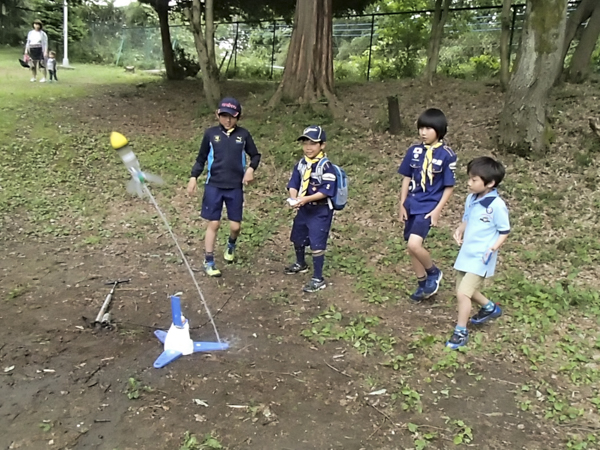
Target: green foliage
<point>191,442</point>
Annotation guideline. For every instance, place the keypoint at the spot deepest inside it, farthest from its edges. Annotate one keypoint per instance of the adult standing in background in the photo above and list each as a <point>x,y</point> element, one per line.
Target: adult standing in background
<point>37,49</point>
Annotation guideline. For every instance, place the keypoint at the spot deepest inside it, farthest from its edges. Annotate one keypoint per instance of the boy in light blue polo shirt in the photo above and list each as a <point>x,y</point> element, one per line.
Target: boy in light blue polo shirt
<point>484,228</point>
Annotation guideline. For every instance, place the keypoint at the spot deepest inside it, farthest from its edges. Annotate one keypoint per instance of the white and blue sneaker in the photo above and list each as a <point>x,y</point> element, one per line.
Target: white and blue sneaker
<point>458,339</point>
<point>432,284</point>
<point>483,315</point>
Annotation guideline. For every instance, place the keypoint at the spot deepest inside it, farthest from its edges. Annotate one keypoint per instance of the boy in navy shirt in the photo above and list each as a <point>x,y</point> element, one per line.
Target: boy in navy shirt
<point>484,229</point>
<point>428,170</point>
<point>224,147</point>
<point>310,196</point>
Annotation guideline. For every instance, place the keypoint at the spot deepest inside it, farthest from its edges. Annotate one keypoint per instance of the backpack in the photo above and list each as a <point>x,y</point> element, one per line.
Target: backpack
<point>339,200</point>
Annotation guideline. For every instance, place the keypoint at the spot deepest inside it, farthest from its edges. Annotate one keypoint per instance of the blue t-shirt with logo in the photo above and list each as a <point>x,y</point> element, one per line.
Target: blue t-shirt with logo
<point>421,201</point>
<point>487,219</point>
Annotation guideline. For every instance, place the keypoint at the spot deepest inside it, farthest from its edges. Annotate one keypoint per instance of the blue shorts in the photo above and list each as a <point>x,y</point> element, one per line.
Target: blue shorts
<point>311,226</point>
<point>213,199</point>
<point>417,224</point>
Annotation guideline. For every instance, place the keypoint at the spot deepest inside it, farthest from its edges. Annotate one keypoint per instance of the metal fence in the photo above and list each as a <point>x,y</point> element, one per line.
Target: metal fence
<point>369,46</point>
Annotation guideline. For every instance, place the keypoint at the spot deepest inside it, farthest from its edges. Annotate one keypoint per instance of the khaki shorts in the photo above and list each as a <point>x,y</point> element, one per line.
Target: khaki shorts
<point>468,283</point>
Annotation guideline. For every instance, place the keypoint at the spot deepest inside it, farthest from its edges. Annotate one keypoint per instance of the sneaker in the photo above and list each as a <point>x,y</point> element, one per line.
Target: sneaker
<point>296,268</point>
<point>33,80</point>
<point>211,270</point>
<point>432,284</point>
<point>419,295</point>
<point>229,255</point>
<point>483,316</point>
<point>315,285</point>
<point>458,339</point>
<point>43,80</point>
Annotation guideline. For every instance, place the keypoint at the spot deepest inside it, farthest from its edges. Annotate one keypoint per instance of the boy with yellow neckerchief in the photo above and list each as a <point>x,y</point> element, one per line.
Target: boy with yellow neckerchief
<point>428,169</point>
<point>311,188</point>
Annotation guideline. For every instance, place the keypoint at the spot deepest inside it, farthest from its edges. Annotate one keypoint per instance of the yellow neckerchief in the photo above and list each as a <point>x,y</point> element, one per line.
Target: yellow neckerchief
<point>228,132</point>
<point>427,170</point>
<point>308,171</point>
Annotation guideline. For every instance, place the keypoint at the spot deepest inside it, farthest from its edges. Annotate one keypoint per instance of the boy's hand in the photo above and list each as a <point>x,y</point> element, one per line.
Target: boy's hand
<point>192,186</point>
<point>403,214</point>
<point>488,254</point>
<point>300,202</point>
<point>435,216</point>
<point>458,235</point>
<point>248,176</point>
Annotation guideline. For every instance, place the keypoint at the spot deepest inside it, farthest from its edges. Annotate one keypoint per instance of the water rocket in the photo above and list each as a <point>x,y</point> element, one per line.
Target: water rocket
<point>177,341</point>
<point>138,178</point>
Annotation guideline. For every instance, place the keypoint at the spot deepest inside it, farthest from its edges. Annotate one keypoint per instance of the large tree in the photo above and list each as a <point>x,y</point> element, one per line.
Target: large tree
<point>574,23</point>
<point>440,16</point>
<point>505,21</point>
<point>202,21</point>
<point>308,73</point>
<point>162,10</point>
<point>580,63</point>
<point>523,123</point>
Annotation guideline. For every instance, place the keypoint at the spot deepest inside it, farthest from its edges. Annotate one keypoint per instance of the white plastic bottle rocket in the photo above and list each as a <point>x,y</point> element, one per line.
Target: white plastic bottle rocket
<point>138,178</point>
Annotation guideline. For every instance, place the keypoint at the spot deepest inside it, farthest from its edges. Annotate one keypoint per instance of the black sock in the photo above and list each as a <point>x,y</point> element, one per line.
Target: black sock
<point>209,257</point>
<point>300,254</point>
<point>231,242</point>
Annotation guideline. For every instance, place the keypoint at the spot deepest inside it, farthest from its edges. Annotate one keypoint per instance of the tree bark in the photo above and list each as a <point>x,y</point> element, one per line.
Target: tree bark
<point>580,64</point>
<point>577,17</point>
<point>162,10</point>
<point>205,48</point>
<point>308,73</point>
<point>505,19</point>
<point>394,115</point>
<point>523,126</point>
<point>442,8</point>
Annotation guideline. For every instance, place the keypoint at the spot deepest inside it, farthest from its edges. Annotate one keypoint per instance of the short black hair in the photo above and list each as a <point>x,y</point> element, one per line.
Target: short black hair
<point>434,118</point>
<point>488,169</point>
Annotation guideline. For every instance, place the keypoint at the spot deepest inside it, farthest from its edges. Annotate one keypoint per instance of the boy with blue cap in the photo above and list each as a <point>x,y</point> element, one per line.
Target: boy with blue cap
<point>428,170</point>
<point>224,148</point>
<point>484,229</point>
<point>311,188</point>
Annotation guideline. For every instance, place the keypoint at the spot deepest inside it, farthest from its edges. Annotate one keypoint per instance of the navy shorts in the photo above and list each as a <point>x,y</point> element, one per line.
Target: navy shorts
<point>213,199</point>
<point>417,224</point>
<point>311,226</point>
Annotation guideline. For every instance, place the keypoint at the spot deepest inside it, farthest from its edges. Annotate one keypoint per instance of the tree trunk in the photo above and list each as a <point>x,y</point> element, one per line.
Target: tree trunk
<point>577,17</point>
<point>580,64</point>
<point>162,10</point>
<point>440,16</point>
<point>308,73</point>
<point>523,126</point>
<point>205,48</point>
<point>505,19</point>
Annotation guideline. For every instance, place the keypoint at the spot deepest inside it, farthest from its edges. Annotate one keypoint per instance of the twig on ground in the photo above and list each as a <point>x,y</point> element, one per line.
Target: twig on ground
<point>337,370</point>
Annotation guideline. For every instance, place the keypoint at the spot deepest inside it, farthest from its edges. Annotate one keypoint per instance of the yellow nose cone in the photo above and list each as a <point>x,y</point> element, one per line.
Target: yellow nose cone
<point>117,140</point>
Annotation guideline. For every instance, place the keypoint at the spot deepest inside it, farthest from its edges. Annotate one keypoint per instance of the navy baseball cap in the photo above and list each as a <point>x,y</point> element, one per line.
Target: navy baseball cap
<point>231,106</point>
<point>314,133</point>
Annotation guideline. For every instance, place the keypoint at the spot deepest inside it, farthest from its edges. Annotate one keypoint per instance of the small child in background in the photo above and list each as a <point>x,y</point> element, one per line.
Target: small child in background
<point>51,65</point>
<point>484,228</point>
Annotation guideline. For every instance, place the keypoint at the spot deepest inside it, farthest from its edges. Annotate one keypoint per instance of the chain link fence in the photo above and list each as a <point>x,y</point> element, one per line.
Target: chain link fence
<point>374,46</point>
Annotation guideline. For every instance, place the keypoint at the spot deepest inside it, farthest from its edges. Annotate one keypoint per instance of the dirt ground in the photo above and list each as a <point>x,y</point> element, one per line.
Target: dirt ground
<point>66,385</point>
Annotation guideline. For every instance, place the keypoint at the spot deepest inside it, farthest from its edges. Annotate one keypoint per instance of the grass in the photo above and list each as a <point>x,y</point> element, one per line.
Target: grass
<point>67,182</point>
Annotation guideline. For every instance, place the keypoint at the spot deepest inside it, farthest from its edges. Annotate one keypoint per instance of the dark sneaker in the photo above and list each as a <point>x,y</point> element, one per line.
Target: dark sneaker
<point>315,285</point>
<point>229,255</point>
<point>211,270</point>
<point>432,284</point>
<point>458,339</point>
<point>296,268</point>
<point>483,316</point>
<point>419,295</point>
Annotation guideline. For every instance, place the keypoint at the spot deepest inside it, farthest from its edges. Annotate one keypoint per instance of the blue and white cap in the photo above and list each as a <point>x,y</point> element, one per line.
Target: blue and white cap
<point>315,133</point>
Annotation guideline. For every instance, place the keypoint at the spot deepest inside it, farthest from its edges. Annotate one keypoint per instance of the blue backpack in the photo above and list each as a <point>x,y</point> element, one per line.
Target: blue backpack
<point>340,198</point>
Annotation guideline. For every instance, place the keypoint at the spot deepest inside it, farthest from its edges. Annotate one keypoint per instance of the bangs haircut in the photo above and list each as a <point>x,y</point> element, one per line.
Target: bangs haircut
<point>434,118</point>
<point>486,168</point>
